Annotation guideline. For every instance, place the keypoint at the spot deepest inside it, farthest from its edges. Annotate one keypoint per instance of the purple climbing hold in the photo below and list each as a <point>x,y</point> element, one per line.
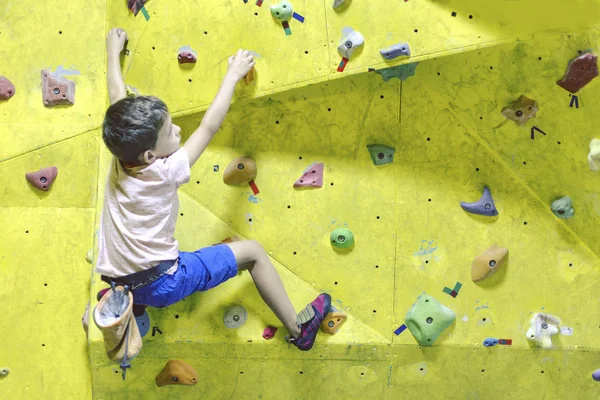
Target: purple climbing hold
<point>596,375</point>
<point>485,205</point>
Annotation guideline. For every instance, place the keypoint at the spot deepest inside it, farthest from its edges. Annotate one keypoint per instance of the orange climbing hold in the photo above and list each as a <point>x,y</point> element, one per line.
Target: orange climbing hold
<point>486,264</point>
<point>249,76</point>
<point>333,322</point>
<point>240,171</point>
<point>177,372</point>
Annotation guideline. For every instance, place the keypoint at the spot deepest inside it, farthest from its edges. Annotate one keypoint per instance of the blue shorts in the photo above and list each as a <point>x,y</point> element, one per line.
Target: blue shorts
<point>198,271</point>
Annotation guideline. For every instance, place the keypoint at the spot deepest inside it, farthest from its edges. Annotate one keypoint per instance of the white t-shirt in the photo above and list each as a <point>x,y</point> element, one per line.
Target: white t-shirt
<point>139,215</point>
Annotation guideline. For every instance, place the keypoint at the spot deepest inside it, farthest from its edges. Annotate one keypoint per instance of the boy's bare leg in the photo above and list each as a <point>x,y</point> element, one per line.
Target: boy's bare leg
<point>250,255</point>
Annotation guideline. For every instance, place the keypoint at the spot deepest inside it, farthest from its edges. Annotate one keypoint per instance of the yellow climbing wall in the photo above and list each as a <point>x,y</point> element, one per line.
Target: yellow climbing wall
<point>411,234</point>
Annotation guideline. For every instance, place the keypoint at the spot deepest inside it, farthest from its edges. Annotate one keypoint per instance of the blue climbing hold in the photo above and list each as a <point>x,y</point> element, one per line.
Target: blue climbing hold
<point>490,342</point>
<point>485,205</point>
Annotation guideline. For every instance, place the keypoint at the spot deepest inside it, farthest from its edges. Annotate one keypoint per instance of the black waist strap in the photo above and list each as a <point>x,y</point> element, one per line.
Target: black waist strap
<point>141,277</point>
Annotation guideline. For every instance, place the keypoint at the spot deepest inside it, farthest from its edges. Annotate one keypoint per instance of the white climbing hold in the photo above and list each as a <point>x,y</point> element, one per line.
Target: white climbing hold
<point>594,156</point>
<point>350,43</point>
<point>541,329</point>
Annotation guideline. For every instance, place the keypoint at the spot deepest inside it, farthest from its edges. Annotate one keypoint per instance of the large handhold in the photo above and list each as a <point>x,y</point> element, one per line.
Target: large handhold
<point>282,11</point>
<point>579,73</point>
<point>350,43</point>
<point>43,178</point>
<point>485,205</point>
<point>541,329</point>
<point>56,89</point>
<point>427,319</point>
<point>312,177</point>
<point>240,171</point>
<point>395,51</point>
<point>381,154</point>
<point>7,89</point>
<point>521,110</point>
<point>563,207</point>
<point>177,372</point>
<point>484,265</point>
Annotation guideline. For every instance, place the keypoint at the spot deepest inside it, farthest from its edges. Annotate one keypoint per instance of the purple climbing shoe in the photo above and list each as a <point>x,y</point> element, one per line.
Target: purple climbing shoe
<point>309,321</point>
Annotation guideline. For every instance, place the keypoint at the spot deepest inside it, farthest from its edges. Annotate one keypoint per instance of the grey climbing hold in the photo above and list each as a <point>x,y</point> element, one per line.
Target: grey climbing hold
<point>4,372</point>
<point>337,3</point>
<point>397,50</point>
<point>235,317</point>
<point>563,207</point>
<point>402,72</point>
<point>381,154</point>
<point>485,205</point>
<point>342,238</point>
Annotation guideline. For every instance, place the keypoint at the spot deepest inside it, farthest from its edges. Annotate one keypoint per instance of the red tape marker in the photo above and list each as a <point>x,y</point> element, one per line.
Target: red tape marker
<point>253,186</point>
<point>342,64</point>
<point>507,342</point>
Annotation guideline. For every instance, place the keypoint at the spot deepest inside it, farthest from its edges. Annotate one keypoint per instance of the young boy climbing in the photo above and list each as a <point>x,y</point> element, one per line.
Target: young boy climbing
<point>136,242</point>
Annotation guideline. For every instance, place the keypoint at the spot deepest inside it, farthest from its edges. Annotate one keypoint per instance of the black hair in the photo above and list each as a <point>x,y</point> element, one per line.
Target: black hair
<point>131,126</point>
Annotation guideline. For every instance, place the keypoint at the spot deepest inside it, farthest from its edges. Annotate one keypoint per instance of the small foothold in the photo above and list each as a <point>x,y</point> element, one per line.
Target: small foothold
<point>563,207</point>
<point>485,205</point>
<point>57,90</point>
<point>594,156</point>
<point>7,89</point>
<point>579,73</point>
<point>596,375</point>
<point>381,154</point>
<point>269,332</point>
<point>177,372</point>
<point>187,56</point>
<point>484,265</point>
<point>427,319</point>
<point>350,43</point>
<point>240,171</point>
<point>249,77</point>
<point>235,317</point>
<point>490,342</point>
<point>337,3</point>
<point>43,178</point>
<point>4,372</point>
<point>521,110</point>
<point>312,177</point>
<point>89,256</point>
<point>135,5</point>
<point>333,322</point>
<point>282,11</point>
<point>342,238</point>
<point>397,50</point>
<point>541,329</point>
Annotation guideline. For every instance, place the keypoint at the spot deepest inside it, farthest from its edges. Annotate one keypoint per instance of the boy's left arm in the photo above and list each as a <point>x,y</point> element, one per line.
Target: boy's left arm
<point>115,43</point>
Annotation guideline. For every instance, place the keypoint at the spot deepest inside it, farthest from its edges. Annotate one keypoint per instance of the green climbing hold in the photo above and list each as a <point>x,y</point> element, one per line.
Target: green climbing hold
<point>563,207</point>
<point>381,154</point>
<point>402,72</point>
<point>342,238</point>
<point>282,11</point>
<point>427,319</point>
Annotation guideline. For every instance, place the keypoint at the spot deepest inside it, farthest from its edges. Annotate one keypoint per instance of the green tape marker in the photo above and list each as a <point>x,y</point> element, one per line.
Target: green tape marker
<point>145,12</point>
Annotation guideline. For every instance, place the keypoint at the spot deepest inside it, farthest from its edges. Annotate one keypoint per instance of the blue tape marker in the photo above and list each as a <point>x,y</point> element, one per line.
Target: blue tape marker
<point>145,12</point>
<point>574,100</point>
<point>298,17</point>
<point>400,330</point>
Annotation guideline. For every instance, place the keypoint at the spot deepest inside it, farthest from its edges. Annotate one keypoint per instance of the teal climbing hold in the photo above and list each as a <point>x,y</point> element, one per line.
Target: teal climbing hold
<point>563,207</point>
<point>402,72</point>
<point>342,238</point>
<point>381,154</point>
<point>427,319</point>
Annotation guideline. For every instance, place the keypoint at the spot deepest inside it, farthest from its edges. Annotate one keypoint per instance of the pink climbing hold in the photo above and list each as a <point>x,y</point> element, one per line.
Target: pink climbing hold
<point>43,178</point>
<point>187,57</point>
<point>269,332</point>
<point>56,89</point>
<point>7,89</point>
<point>312,177</point>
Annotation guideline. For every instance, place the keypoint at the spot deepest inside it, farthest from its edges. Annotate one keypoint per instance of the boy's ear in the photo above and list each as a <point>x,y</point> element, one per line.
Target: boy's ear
<point>148,157</point>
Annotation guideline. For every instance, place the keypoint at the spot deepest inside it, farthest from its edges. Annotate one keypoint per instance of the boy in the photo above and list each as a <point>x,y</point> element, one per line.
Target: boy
<point>136,243</point>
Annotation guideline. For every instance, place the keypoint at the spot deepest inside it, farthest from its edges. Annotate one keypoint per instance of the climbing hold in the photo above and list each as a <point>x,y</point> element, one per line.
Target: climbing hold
<point>563,207</point>
<point>594,156</point>
<point>135,5</point>
<point>7,89</point>
<point>350,43</point>
<point>521,110</point>
<point>337,3</point>
<point>249,77</point>
<point>485,205</point>
<point>131,91</point>
<point>579,73</point>
<point>541,329</point>
<point>381,154</point>
<point>240,171</point>
<point>4,371</point>
<point>402,72</point>
<point>187,55</point>
<point>282,11</point>
<point>596,375</point>
<point>269,332</point>
<point>101,293</point>
<point>43,178</point>
<point>312,176</point>
<point>490,342</point>
<point>484,265</point>
<point>143,322</point>
<point>333,322</point>
<point>57,90</point>
<point>427,319</point>
<point>89,256</point>
<point>342,238</point>
<point>397,50</point>
<point>177,372</point>
<point>235,317</point>
<point>85,319</point>
<point>229,240</point>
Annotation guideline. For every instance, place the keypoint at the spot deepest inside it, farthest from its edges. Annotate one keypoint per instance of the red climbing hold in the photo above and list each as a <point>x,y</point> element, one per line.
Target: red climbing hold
<point>43,178</point>
<point>579,73</point>
<point>7,89</point>
<point>57,89</point>
<point>269,332</point>
<point>312,177</point>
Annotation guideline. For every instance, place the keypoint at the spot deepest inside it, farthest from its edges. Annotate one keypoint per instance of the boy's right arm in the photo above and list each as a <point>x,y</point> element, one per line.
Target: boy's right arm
<point>239,66</point>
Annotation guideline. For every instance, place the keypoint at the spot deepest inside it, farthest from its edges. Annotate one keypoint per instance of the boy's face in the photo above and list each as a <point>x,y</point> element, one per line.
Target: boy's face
<point>168,141</point>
